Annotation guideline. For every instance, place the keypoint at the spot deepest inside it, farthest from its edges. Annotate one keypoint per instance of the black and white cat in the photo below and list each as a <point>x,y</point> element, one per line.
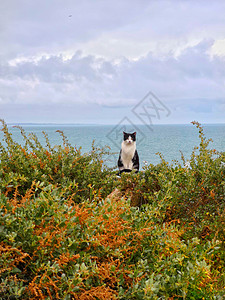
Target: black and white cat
<point>128,158</point>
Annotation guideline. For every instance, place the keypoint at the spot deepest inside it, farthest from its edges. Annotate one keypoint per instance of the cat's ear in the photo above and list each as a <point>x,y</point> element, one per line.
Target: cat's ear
<point>134,133</point>
<point>124,132</point>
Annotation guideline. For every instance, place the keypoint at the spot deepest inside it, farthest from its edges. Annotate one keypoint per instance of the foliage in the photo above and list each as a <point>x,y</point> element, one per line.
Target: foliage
<point>64,166</point>
<point>159,235</point>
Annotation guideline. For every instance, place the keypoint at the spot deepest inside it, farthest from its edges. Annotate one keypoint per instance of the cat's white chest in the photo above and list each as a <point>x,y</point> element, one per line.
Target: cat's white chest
<point>127,154</point>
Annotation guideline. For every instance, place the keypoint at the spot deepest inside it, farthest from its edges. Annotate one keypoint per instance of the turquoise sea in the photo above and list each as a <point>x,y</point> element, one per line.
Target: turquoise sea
<point>166,139</point>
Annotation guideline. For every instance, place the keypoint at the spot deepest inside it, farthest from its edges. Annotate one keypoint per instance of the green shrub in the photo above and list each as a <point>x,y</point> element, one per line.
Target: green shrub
<point>159,235</point>
<point>51,247</point>
<point>64,166</point>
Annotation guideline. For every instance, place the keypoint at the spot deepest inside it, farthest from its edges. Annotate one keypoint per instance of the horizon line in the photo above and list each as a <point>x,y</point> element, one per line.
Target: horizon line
<point>105,124</point>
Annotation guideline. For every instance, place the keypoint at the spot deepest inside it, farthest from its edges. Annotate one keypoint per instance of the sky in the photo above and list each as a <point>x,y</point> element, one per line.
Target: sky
<point>102,61</point>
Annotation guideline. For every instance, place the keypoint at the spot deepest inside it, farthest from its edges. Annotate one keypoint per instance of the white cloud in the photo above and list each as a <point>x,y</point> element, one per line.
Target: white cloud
<point>125,28</point>
<point>111,54</point>
<point>192,75</point>
<point>218,48</point>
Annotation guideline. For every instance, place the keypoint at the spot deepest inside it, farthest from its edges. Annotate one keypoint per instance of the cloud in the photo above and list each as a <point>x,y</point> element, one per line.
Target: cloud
<point>128,28</point>
<point>109,56</point>
<point>192,75</point>
<point>32,28</point>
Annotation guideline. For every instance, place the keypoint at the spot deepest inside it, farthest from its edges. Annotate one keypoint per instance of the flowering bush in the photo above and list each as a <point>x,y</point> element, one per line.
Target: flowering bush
<point>158,234</point>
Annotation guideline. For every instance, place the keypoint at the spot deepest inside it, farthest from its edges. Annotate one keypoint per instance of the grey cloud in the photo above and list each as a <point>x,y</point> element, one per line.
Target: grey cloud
<point>30,28</point>
<point>33,27</point>
<point>55,69</point>
<point>192,75</point>
<point>191,84</point>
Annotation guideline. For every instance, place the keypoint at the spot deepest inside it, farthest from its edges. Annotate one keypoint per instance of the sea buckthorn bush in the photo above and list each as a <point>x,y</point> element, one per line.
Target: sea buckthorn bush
<point>82,233</point>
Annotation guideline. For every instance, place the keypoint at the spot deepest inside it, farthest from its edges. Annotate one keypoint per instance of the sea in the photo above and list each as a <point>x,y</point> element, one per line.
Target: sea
<point>169,140</point>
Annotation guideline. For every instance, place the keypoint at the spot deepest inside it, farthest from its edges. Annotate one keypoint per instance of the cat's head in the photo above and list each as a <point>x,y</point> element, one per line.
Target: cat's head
<point>129,138</point>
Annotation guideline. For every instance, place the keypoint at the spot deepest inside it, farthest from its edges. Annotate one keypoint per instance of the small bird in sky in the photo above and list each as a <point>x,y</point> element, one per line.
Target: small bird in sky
<point>70,16</point>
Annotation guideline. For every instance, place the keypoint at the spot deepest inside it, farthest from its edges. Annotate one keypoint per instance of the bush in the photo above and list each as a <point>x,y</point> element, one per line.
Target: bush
<point>52,248</point>
<point>159,235</point>
<point>80,175</point>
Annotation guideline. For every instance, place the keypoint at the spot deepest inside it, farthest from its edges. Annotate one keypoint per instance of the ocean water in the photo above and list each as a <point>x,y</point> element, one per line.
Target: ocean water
<point>168,140</point>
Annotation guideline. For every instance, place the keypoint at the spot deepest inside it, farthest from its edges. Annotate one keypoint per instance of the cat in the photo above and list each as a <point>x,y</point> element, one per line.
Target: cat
<point>128,158</point>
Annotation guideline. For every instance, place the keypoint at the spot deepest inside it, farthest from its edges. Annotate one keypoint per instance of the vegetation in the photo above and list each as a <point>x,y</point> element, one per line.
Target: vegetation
<point>70,229</point>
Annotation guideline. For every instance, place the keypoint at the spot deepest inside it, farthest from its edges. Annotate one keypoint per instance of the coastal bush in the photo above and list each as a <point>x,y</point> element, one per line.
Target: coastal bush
<point>191,194</point>
<point>71,235</point>
<point>80,175</point>
<point>52,248</point>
